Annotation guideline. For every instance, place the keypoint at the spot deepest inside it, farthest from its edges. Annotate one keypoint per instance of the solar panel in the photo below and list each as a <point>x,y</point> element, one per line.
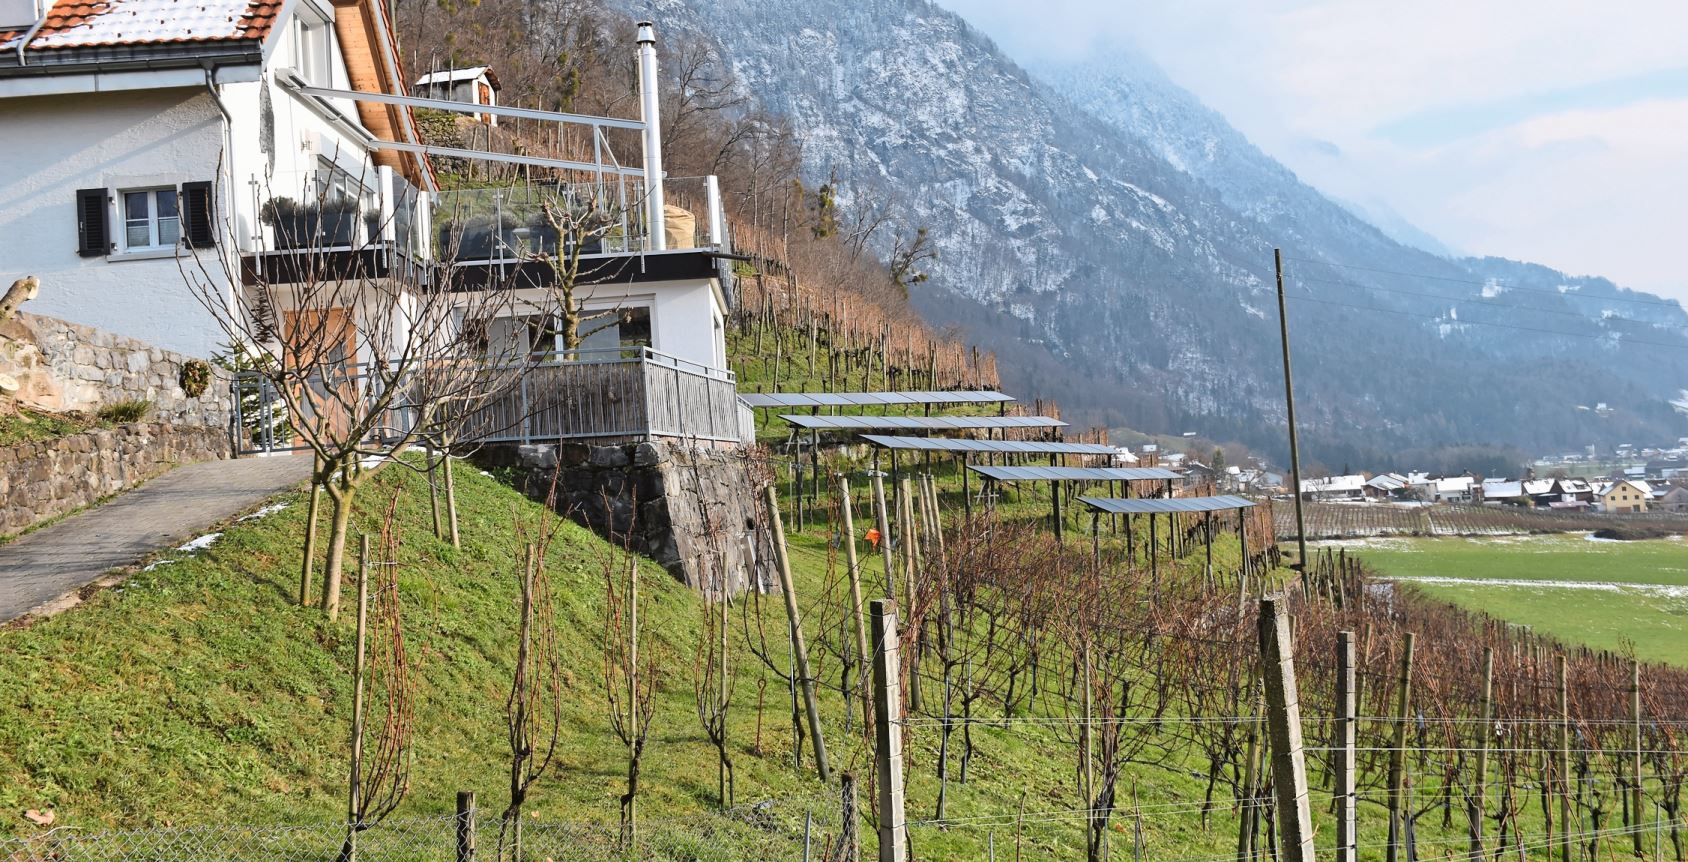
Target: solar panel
<point>1162,506</point>
<point>1072,474</point>
<point>919,423</point>
<point>1021,447</point>
<point>870,399</point>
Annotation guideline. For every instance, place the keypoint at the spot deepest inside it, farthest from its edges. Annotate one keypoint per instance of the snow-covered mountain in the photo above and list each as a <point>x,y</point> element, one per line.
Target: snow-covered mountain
<point>1111,238</point>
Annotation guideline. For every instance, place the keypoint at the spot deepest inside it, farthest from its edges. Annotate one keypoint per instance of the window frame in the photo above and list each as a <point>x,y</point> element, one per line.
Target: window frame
<point>153,219</point>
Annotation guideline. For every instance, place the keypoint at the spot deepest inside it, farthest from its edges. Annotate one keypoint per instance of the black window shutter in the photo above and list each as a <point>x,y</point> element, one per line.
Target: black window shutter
<point>93,238</point>
<point>197,227</point>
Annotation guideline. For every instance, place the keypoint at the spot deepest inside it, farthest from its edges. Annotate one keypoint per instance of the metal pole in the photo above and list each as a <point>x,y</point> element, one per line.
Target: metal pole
<point>1289,406</point>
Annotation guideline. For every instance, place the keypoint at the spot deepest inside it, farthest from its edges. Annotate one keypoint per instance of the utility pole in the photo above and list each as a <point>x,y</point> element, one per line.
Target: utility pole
<point>1289,405</point>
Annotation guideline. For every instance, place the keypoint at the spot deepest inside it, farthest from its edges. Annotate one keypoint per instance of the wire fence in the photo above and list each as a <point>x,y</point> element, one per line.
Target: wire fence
<point>781,829</point>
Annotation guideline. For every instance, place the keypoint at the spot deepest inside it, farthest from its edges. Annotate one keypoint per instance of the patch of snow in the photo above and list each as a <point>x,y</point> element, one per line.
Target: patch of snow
<point>1492,289</point>
<point>201,543</point>
<point>1671,591</point>
<point>265,512</point>
<point>151,566</point>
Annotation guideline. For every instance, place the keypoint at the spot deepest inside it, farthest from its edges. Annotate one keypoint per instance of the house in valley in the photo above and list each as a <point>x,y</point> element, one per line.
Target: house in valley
<point>1448,489</point>
<point>1334,488</point>
<point>1624,496</point>
<point>1386,486</point>
<point>1674,499</point>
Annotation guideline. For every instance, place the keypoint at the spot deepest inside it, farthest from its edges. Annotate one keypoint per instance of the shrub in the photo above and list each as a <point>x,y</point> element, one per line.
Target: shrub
<point>126,411</point>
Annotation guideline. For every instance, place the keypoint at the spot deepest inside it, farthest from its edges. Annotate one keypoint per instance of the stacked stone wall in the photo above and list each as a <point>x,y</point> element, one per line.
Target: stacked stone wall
<point>45,479</point>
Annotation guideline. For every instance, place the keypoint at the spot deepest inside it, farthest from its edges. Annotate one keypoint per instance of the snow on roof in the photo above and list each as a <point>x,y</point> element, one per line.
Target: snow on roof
<point>1538,486</point>
<point>1332,484</point>
<point>1501,489</point>
<point>89,23</point>
<point>468,74</point>
<point>1455,483</point>
<point>1574,486</point>
<point>1388,482</point>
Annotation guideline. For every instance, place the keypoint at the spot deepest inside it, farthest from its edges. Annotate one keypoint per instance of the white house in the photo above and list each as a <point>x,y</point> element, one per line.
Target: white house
<point>149,137</point>
<point>1350,487</point>
<point>476,85</point>
<point>146,137</point>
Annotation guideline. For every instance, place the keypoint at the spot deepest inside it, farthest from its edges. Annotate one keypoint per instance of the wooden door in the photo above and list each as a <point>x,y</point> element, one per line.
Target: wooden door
<point>323,346</point>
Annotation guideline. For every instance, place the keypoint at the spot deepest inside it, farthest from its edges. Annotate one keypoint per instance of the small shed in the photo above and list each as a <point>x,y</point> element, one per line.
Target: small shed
<point>476,85</point>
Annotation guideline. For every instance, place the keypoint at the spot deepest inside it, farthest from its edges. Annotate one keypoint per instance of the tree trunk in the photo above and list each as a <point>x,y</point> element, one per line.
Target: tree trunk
<point>342,500</point>
<point>451,502</point>
<point>309,562</point>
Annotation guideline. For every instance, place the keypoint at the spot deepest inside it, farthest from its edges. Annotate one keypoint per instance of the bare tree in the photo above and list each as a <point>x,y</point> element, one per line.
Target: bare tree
<point>381,757</point>
<point>629,688</point>
<point>364,362</point>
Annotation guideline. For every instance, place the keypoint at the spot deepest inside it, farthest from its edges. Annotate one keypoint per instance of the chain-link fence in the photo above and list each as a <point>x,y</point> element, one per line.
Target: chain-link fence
<point>783,829</point>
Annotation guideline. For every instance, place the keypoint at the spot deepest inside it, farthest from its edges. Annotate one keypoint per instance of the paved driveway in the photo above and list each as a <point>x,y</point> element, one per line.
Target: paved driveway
<point>38,569</point>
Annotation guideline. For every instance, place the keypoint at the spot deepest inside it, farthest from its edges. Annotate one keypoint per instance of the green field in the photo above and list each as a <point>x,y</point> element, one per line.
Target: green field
<point>1606,594</point>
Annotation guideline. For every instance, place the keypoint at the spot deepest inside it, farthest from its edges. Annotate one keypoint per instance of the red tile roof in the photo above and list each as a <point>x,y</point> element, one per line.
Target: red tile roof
<point>91,23</point>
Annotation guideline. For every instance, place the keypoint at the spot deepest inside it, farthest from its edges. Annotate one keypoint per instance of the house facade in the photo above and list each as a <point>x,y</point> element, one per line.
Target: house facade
<point>160,158</point>
<point>144,141</point>
<point>476,85</point>
<point>1624,496</point>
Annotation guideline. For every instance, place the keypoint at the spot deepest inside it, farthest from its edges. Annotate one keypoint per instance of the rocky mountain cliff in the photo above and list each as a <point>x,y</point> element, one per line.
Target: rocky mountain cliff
<point>1111,238</point>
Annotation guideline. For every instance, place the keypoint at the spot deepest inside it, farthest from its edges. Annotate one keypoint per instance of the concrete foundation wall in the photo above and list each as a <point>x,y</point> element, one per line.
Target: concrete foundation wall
<point>695,511</point>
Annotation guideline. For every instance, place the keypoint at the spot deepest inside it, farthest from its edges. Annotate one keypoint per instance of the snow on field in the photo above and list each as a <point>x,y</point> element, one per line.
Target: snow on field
<point>1668,591</point>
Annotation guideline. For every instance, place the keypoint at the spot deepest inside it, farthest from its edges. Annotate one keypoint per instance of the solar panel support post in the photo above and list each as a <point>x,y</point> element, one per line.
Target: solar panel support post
<point>1055,507</point>
<point>1289,409</point>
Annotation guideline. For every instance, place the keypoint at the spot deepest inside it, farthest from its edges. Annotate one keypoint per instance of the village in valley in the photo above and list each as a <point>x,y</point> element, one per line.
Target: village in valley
<point>525,431</point>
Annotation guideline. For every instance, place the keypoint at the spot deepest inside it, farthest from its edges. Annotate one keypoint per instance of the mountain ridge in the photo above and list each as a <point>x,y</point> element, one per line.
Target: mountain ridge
<point>1111,239</point>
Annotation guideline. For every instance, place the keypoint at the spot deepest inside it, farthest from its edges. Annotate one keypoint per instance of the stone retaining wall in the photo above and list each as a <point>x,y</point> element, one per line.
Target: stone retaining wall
<point>670,498</point>
<point>65,367</point>
<point>45,479</point>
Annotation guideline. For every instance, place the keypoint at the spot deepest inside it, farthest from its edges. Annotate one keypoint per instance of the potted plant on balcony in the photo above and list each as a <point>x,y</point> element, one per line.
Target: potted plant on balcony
<point>291,223</point>
<point>337,221</point>
<point>482,237</point>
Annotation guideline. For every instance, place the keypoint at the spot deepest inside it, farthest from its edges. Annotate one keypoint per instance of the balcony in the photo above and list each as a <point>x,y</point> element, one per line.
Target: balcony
<point>616,395</point>
<point>498,235</point>
<point>328,223</point>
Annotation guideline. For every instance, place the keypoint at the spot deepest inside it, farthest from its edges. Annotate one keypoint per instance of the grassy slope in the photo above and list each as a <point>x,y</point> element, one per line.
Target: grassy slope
<point>26,426</point>
<point>199,692</point>
<point>1655,620</point>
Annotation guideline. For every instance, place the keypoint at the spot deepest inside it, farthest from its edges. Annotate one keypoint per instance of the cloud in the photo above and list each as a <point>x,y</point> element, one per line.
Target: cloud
<point>1550,130</point>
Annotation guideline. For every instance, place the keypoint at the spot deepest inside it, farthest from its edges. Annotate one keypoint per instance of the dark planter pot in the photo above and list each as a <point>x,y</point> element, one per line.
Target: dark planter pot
<point>542,238</point>
<point>296,230</point>
<point>337,227</point>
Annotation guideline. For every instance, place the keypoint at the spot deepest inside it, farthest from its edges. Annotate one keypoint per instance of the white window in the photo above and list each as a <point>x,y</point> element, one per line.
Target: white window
<point>152,219</point>
<point>312,42</point>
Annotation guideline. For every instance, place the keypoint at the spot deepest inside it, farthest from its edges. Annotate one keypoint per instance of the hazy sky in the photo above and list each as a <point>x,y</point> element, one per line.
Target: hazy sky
<point>1550,130</point>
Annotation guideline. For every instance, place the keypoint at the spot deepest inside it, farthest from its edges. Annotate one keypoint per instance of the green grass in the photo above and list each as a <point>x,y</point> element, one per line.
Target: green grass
<point>1633,592</point>
<point>26,426</point>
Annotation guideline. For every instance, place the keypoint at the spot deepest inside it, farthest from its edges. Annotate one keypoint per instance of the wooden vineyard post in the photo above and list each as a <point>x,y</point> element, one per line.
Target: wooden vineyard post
<point>1635,822</point>
<point>883,524</point>
<point>907,536</point>
<point>465,826</point>
<point>799,647</point>
<point>1283,722</point>
<point>1567,835</point>
<point>1347,845</point>
<point>1485,730</point>
<point>1398,752</point>
<point>855,571</point>
<point>888,731</point>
